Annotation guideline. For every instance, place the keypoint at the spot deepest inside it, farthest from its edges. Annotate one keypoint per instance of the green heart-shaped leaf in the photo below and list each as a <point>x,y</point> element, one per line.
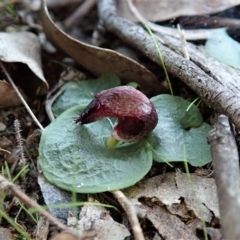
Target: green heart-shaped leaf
<point>75,157</point>
<point>177,130</point>
<point>82,92</point>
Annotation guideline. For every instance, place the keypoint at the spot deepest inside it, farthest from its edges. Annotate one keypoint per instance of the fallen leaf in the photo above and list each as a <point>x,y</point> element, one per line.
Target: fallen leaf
<point>169,226</point>
<point>167,199</point>
<point>24,47</point>
<point>161,10</point>
<point>43,229</point>
<point>97,60</point>
<point>9,97</point>
<point>199,191</point>
<point>98,219</point>
<point>200,196</point>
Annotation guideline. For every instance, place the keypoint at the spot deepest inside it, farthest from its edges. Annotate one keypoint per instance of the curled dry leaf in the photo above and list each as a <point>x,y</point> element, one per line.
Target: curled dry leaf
<point>160,10</point>
<point>9,98</point>
<point>97,60</point>
<point>24,47</point>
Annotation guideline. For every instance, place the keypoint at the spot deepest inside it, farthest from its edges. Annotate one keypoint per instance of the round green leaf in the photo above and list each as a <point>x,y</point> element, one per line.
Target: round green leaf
<point>75,157</point>
<point>177,130</point>
<point>82,92</point>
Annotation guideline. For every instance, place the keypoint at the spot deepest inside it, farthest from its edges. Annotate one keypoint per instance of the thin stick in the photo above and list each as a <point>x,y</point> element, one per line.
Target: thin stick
<point>49,103</point>
<point>20,96</point>
<point>5,184</point>
<point>226,172</point>
<point>132,216</point>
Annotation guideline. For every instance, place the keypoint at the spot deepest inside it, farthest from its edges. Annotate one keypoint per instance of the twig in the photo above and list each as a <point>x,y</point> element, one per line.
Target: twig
<point>16,220</point>
<point>132,216</point>
<point>226,172</point>
<point>4,150</point>
<point>20,96</point>
<point>79,13</point>
<point>49,103</point>
<point>6,185</point>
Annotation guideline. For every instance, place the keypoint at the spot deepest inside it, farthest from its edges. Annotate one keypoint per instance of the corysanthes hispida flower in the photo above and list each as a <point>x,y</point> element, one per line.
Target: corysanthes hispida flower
<point>136,114</point>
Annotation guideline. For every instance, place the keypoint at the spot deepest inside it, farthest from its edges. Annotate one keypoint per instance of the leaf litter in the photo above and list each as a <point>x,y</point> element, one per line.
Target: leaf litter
<point>98,219</point>
<point>103,60</point>
<point>161,10</point>
<point>174,199</point>
<point>169,202</point>
<point>24,47</point>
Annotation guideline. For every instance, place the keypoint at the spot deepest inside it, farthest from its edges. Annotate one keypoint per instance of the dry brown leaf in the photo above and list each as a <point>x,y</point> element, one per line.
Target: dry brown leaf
<point>98,219</point>
<point>24,47</point>
<point>169,188</point>
<point>204,193</point>
<point>160,10</point>
<point>164,194</point>
<point>9,98</point>
<point>42,229</point>
<point>168,225</point>
<point>97,60</point>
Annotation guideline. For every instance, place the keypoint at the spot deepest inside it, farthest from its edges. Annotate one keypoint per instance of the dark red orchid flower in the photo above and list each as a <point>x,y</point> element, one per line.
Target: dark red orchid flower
<point>136,114</point>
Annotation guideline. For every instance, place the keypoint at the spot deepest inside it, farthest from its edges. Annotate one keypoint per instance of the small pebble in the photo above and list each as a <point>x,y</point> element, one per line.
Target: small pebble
<point>2,127</point>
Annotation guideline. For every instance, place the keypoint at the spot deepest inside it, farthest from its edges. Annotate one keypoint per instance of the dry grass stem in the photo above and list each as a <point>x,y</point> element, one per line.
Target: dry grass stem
<point>20,96</point>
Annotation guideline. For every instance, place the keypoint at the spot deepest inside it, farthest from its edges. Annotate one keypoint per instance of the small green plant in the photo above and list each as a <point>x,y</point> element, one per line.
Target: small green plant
<point>99,168</point>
